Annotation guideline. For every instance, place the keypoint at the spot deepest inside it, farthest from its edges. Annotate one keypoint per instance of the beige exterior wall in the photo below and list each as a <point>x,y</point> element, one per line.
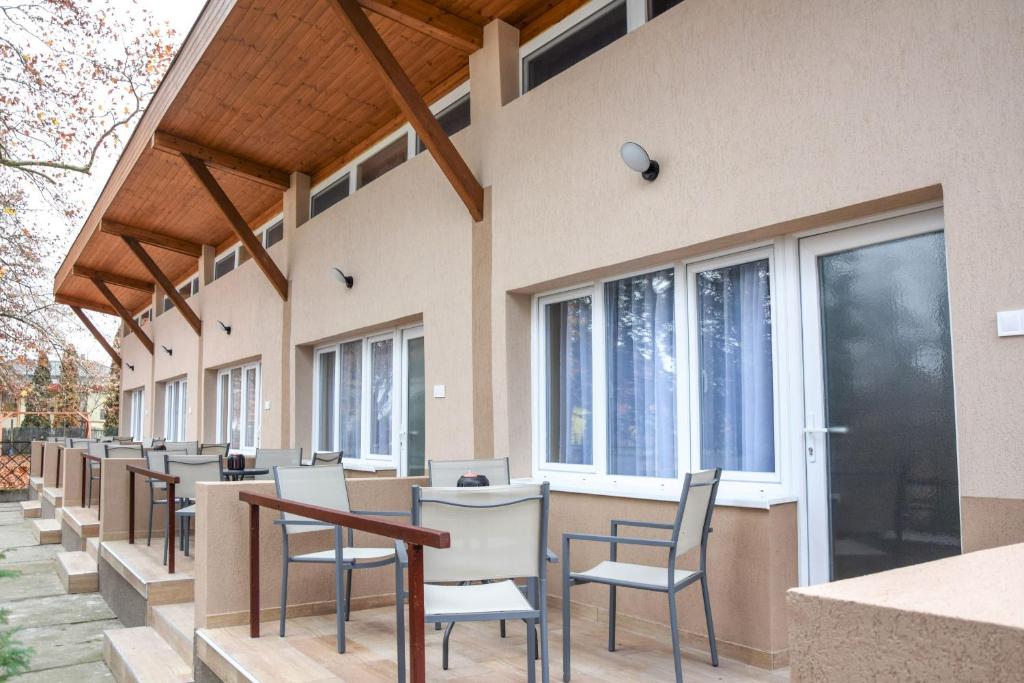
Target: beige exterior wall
<point>767,119</point>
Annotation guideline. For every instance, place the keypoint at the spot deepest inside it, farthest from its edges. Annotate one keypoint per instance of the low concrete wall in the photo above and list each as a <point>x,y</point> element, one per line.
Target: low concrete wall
<point>114,501</point>
<point>73,478</point>
<point>956,619</point>
<point>222,554</point>
<point>36,458</point>
<point>51,462</point>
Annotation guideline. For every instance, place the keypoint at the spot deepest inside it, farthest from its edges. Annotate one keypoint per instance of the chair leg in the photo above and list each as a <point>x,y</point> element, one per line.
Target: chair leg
<point>501,628</point>
<point>339,590</point>
<point>611,618</point>
<point>400,620</point>
<point>566,620</point>
<point>284,591</point>
<point>444,644</point>
<point>545,659</point>
<point>674,623</point>
<point>711,623</point>
<point>149,532</point>
<point>348,594</point>
<point>531,651</point>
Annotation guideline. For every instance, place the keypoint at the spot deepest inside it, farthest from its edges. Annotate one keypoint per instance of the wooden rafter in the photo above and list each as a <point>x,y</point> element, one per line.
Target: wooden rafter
<point>412,105</point>
<point>114,355</point>
<point>431,20</point>
<point>112,278</point>
<point>68,300</point>
<point>238,224</point>
<point>125,314</point>
<point>229,163</point>
<point>157,239</point>
<point>165,283</point>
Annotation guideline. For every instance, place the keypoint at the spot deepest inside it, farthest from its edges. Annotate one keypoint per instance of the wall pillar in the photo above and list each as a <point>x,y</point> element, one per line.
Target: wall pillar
<point>494,78</point>
<point>206,261</point>
<point>296,213</point>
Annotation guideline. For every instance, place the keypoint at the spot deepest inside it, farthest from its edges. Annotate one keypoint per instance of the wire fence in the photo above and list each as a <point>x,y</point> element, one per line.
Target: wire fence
<point>16,447</point>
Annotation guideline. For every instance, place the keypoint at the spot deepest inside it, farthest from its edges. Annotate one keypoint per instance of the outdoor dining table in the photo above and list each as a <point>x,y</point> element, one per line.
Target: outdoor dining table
<point>238,475</point>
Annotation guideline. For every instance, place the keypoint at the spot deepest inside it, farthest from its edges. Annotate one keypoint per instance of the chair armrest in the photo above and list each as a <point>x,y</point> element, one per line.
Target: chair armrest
<point>646,525</point>
<point>401,554</point>
<point>625,540</point>
<point>552,557</point>
<point>381,513</point>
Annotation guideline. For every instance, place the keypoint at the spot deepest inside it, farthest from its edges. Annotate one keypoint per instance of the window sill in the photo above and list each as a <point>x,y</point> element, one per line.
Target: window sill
<point>763,501</point>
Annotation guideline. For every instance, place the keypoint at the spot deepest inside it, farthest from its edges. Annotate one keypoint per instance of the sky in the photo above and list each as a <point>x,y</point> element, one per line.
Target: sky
<point>179,15</point>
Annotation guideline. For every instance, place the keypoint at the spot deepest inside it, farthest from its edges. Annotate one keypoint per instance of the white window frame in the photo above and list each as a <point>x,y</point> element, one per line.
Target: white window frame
<point>397,337</point>
<point>137,413</point>
<point>176,409</point>
<point>224,435</point>
<point>737,487</point>
<point>233,252</point>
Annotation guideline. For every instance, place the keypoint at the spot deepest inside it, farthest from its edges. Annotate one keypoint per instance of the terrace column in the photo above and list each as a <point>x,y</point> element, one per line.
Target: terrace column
<point>296,213</point>
<point>207,258</point>
<point>494,73</point>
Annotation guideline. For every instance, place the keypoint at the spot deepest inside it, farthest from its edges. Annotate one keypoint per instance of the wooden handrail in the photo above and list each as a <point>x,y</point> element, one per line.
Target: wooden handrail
<point>415,538</point>
<point>168,479</point>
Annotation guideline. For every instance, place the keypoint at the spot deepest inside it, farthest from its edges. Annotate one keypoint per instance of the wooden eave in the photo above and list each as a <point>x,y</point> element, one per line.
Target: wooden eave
<point>262,90</point>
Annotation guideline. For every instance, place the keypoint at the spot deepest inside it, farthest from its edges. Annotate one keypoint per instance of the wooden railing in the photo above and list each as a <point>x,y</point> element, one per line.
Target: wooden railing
<point>414,537</point>
<point>86,475</point>
<point>168,479</point>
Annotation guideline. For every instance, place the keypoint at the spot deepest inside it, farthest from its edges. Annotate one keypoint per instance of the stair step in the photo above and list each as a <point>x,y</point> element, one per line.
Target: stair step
<point>36,484</point>
<point>31,509</point>
<point>47,531</point>
<point>78,572</point>
<point>53,495</point>
<point>92,548</point>
<point>140,655</point>
<point>176,624</point>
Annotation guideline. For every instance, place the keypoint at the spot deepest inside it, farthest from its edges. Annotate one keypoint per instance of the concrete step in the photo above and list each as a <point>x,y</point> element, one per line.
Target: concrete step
<point>176,624</point>
<point>54,496</point>
<point>140,655</point>
<point>83,521</point>
<point>78,572</point>
<point>30,509</point>
<point>46,531</point>
<point>36,484</point>
<point>92,548</point>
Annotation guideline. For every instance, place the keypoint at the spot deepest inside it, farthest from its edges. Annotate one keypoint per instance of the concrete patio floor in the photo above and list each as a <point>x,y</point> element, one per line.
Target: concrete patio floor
<point>65,631</point>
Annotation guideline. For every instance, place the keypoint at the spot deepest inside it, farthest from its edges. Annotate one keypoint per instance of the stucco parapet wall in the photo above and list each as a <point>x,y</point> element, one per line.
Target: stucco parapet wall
<point>957,619</point>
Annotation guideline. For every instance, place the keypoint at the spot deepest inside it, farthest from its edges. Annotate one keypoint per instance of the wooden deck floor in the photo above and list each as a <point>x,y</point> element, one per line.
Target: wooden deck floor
<point>307,653</point>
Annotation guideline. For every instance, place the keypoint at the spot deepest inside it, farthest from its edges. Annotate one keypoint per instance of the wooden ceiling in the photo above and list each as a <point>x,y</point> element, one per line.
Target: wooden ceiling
<point>279,83</point>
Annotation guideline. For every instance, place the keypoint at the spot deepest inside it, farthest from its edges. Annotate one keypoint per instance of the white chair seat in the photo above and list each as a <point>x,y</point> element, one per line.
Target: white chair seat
<point>189,511</point>
<point>639,574</point>
<point>483,598</point>
<point>349,554</point>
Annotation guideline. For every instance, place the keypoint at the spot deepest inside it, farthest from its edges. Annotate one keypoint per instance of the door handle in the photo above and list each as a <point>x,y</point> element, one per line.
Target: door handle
<point>826,430</point>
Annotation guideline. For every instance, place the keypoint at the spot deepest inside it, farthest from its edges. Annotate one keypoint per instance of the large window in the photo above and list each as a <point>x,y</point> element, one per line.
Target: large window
<point>644,378</point>
<point>238,403</point>
<point>175,409</point>
<point>136,412</point>
<point>358,397</point>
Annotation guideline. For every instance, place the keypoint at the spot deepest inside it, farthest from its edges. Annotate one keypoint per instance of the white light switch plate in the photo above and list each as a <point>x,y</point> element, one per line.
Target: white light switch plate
<point>266,405</point>
<point>438,391</point>
<point>1010,323</point>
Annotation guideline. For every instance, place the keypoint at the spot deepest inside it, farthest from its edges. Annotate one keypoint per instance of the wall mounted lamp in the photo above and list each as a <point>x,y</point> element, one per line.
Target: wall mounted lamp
<point>170,352</point>
<point>226,328</point>
<point>130,366</point>
<point>637,158</point>
<point>341,277</point>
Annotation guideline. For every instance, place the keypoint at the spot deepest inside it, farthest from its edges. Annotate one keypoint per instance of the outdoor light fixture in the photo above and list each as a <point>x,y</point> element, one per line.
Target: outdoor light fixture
<point>341,277</point>
<point>637,158</point>
<point>226,328</point>
<point>130,366</point>
<point>170,352</point>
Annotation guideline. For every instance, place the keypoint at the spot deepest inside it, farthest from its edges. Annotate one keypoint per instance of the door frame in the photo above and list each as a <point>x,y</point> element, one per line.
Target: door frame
<point>405,335</point>
<point>805,248</point>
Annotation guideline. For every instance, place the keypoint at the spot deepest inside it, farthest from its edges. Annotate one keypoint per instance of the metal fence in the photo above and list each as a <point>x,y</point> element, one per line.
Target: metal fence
<point>16,447</point>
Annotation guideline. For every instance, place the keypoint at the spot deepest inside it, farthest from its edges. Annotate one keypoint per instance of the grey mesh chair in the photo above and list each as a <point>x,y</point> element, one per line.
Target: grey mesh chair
<point>496,532</point>
<point>447,472</point>
<point>214,449</point>
<point>690,530</point>
<point>321,458</point>
<point>106,450</point>
<point>155,461</point>
<point>190,470</point>
<point>79,443</point>
<point>325,487</point>
<point>189,447</point>
<point>269,458</point>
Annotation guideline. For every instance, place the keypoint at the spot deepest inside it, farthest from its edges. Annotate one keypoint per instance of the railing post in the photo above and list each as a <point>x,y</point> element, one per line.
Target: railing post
<point>131,507</point>
<point>170,527</point>
<point>85,503</point>
<point>417,641</point>
<point>60,452</point>
<point>254,571</point>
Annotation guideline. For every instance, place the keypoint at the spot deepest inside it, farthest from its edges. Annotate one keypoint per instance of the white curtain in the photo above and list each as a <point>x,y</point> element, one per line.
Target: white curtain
<point>570,382</point>
<point>381,381</point>
<point>641,375</point>
<point>735,346</point>
<point>351,399</point>
<point>325,378</point>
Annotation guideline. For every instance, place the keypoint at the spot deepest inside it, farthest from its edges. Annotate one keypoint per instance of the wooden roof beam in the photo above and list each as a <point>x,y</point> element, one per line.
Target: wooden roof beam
<point>112,278</point>
<point>157,239</point>
<point>125,314</point>
<point>229,163</point>
<point>84,303</point>
<point>430,20</point>
<point>238,224</point>
<point>114,355</point>
<point>165,283</point>
<point>412,105</point>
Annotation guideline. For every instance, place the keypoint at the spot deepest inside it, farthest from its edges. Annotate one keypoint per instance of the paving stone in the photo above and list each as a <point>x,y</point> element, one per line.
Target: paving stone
<point>93,672</point>
<point>15,535</point>
<point>59,609</point>
<point>31,557</point>
<point>66,644</point>
<point>30,585</point>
